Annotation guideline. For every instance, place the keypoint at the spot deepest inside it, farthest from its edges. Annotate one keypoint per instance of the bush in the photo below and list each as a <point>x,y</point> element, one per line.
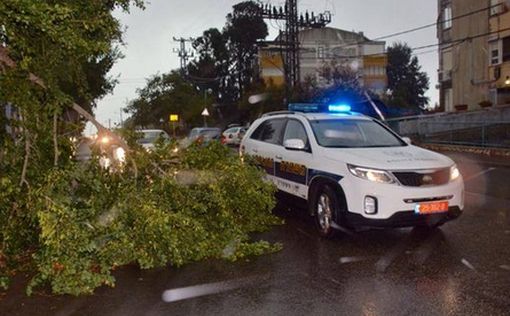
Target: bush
<point>91,221</point>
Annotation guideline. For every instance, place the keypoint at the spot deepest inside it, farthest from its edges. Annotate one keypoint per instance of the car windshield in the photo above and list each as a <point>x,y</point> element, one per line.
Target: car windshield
<point>204,132</point>
<point>354,134</point>
<point>148,137</point>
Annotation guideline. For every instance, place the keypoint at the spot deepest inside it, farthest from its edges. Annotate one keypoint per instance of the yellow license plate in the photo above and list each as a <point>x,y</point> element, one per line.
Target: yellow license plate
<point>432,208</point>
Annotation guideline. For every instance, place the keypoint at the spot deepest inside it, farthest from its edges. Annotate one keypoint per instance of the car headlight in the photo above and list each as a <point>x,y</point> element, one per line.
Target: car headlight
<point>120,154</point>
<point>454,173</point>
<point>105,139</point>
<point>374,175</point>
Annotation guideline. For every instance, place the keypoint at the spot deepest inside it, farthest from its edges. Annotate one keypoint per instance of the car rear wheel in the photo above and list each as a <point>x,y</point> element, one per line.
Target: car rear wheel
<point>326,206</point>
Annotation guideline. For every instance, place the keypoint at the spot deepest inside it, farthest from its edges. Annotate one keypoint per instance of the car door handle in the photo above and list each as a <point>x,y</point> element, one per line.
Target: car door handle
<point>278,157</point>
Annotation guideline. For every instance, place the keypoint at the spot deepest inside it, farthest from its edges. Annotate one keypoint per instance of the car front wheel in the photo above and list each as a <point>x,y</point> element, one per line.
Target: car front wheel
<point>326,206</point>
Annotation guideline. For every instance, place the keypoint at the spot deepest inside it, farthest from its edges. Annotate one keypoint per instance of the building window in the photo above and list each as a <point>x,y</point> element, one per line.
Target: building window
<point>495,53</point>
<point>320,52</point>
<point>447,60</point>
<point>447,17</point>
<point>496,7</point>
<point>448,100</point>
<point>506,49</point>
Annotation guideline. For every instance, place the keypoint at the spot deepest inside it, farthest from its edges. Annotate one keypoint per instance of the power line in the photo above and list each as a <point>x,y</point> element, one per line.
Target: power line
<point>451,43</point>
<point>436,23</point>
<point>419,28</point>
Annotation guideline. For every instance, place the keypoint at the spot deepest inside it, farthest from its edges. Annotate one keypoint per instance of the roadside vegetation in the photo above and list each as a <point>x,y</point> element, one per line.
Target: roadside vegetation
<point>69,225</point>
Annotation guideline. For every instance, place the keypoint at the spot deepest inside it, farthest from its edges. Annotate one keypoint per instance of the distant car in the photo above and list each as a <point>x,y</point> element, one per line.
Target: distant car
<point>233,136</point>
<point>110,151</point>
<point>149,137</point>
<point>204,135</point>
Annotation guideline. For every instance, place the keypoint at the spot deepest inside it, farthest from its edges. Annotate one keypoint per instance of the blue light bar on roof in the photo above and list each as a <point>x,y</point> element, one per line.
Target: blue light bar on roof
<point>339,108</point>
<point>305,107</point>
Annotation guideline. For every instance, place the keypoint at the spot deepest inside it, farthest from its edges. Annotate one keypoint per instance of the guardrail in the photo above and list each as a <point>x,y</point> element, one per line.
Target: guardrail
<point>470,133</point>
<point>493,134</point>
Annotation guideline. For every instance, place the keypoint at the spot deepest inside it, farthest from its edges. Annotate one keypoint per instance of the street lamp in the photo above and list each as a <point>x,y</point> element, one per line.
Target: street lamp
<point>507,81</point>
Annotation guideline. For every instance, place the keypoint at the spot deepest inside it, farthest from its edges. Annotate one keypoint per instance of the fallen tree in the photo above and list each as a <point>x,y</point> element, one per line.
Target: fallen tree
<point>69,225</point>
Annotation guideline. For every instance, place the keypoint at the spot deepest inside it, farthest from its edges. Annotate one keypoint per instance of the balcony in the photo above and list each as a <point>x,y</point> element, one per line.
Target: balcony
<point>445,75</point>
<point>501,75</point>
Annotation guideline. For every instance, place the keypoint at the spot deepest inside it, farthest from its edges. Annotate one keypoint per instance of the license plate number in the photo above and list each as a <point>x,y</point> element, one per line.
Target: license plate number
<point>432,208</point>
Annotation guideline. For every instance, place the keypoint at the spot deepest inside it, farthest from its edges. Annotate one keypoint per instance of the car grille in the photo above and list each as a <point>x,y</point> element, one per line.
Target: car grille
<point>419,179</point>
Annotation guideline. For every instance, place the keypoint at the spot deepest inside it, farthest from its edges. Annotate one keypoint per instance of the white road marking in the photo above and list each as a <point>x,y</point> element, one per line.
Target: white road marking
<point>352,259</point>
<point>185,293</point>
<point>481,173</point>
<point>505,267</point>
<point>468,264</point>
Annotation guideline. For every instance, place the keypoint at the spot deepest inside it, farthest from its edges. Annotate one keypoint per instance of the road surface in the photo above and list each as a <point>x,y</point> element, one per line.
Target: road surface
<point>461,269</point>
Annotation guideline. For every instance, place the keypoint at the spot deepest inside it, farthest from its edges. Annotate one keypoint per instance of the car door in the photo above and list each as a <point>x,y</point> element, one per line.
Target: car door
<point>265,144</point>
<point>291,169</point>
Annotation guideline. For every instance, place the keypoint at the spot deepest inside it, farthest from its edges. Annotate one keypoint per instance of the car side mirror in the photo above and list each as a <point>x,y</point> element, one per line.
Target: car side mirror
<point>294,144</point>
<point>407,140</point>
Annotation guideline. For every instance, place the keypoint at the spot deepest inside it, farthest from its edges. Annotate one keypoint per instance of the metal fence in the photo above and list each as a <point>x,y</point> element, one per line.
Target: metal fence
<point>471,133</point>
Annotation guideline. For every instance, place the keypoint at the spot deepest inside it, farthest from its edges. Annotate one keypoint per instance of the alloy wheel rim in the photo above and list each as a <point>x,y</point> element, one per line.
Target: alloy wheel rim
<point>324,212</point>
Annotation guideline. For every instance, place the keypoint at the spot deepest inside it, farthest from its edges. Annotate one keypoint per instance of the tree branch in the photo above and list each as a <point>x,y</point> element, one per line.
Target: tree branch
<point>55,139</point>
<point>27,156</point>
<point>6,60</point>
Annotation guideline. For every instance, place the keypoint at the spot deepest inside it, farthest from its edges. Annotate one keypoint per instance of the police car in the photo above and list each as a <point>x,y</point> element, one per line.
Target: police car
<point>352,170</point>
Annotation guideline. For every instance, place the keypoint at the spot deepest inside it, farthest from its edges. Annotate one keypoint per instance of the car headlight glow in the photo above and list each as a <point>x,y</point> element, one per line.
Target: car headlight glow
<point>105,139</point>
<point>379,176</point>
<point>454,173</point>
<point>120,154</point>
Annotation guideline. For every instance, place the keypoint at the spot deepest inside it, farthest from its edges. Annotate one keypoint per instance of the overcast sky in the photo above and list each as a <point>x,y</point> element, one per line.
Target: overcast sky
<point>149,46</point>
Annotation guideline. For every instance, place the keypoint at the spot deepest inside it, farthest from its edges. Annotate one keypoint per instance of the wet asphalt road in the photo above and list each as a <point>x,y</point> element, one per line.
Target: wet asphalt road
<point>462,268</point>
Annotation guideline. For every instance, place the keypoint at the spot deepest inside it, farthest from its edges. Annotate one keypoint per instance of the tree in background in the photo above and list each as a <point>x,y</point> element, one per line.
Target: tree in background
<point>212,62</point>
<point>164,95</point>
<point>338,82</point>
<point>243,30</point>
<point>407,82</point>
<point>225,64</point>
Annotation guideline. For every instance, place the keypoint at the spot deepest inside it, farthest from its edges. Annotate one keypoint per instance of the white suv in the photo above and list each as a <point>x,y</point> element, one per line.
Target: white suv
<point>353,171</point>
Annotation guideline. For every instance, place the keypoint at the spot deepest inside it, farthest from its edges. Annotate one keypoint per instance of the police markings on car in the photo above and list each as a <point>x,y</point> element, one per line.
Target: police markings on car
<point>352,170</point>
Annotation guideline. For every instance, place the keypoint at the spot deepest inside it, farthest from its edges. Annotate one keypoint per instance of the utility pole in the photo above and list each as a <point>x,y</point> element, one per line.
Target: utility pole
<point>184,53</point>
<point>292,39</point>
<point>121,118</point>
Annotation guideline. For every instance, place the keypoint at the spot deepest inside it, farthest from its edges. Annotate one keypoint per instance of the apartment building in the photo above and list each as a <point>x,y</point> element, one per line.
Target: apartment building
<point>474,53</point>
<point>320,46</point>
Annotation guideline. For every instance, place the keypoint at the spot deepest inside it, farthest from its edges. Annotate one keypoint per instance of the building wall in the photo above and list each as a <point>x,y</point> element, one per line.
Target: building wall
<point>499,50</point>
<point>271,66</point>
<point>464,65</point>
<point>374,72</point>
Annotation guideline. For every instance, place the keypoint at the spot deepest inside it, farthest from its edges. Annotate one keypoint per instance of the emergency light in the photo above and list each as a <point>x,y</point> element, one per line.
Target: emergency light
<point>339,108</point>
<point>305,107</point>
<point>319,108</point>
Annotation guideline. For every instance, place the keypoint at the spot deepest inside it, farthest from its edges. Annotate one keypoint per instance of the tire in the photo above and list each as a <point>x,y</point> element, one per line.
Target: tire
<point>326,206</point>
